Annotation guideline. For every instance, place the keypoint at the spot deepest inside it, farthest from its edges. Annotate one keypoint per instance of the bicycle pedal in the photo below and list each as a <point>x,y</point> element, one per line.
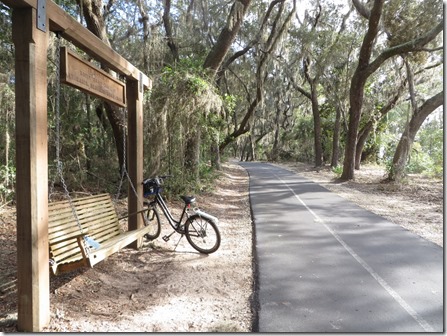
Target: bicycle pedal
<point>166,238</point>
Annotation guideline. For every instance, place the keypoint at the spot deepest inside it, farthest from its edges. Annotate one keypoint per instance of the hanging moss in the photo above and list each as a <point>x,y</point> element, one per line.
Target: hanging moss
<point>184,104</point>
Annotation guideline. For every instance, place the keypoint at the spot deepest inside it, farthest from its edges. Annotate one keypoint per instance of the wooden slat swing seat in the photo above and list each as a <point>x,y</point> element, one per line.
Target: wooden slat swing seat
<point>97,221</point>
<point>84,231</point>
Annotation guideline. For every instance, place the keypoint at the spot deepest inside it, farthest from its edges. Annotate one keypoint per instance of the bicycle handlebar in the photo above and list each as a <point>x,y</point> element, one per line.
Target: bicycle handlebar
<point>158,180</point>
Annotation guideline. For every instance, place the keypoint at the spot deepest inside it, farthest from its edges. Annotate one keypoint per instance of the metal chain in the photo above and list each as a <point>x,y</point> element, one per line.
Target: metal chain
<point>59,164</point>
<point>124,167</point>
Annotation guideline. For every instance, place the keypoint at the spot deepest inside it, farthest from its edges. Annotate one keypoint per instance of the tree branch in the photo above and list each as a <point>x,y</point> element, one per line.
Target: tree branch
<point>370,36</point>
<point>215,57</point>
<point>361,9</point>
<point>168,28</point>
<point>253,42</point>
<point>414,45</point>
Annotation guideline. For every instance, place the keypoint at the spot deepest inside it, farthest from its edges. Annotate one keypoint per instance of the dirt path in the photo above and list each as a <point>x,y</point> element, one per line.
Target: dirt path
<point>162,287</point>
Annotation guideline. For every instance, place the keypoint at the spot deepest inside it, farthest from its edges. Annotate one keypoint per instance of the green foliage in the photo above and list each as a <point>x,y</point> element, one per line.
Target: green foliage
<point>327,113</point>
<point>189,81</point>
<point>419,161</point>
<point>229,102</point>
<point>7,183</point>
<point>300,140</point>
<point>185,118</point>
<point>338,170</point>
<point>403,20</point>
<point>179,184</point>
<point>428,152</point>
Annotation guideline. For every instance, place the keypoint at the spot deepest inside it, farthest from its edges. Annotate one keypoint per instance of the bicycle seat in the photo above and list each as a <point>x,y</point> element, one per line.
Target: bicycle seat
<point>188,199</point>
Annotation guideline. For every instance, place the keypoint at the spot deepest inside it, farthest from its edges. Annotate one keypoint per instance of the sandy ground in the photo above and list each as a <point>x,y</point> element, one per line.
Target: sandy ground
<point>165,287</point>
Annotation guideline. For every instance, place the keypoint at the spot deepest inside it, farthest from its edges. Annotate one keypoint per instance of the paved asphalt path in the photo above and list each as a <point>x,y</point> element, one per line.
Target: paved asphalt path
<point>327,265</point>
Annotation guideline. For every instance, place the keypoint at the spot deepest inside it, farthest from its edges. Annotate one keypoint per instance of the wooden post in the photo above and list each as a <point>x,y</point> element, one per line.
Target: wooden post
<point>135,153</point>
<point>31,46</point>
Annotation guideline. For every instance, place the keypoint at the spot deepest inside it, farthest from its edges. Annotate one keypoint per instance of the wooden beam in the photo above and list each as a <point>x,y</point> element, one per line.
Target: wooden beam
<point>73,31</point>
<point>135,155</point>
<point>31,45</point>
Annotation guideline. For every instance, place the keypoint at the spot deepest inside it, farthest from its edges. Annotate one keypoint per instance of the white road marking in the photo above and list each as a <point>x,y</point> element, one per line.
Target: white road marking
<point>419,319</point>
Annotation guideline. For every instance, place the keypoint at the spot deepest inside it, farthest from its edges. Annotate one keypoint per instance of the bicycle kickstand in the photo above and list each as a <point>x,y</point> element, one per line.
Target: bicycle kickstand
<point>175,248</point>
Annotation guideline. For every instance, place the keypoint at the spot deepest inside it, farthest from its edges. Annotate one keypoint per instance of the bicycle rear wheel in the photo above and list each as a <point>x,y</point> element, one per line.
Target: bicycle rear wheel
<point>202,234</point>
<point>152,219</point>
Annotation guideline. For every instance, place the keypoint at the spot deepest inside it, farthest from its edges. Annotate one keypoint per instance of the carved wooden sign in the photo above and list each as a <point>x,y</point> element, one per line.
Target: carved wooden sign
<point>84,76</point>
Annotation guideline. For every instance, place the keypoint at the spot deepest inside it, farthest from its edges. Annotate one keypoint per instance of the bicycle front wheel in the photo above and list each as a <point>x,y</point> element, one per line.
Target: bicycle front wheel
<point>202,234</point>
<point>152,219</point>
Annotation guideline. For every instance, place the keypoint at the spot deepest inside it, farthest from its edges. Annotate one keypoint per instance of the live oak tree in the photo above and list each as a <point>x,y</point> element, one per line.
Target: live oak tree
<point>316,59</point>
<point>366,67</point>
<point>404,147</point>
<point>419,109</point>
<point>267,47</point>
<point>220,49</point>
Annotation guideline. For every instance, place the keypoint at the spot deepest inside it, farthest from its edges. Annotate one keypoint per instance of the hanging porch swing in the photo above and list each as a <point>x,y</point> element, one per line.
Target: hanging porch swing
<point>84,231</point>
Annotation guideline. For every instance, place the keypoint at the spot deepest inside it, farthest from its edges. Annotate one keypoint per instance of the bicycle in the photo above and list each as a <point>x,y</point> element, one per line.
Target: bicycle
<point>200,228</point>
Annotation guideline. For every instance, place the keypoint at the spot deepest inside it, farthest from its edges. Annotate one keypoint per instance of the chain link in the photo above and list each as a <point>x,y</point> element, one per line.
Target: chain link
<point>59,164</point>
<point>124,168</point>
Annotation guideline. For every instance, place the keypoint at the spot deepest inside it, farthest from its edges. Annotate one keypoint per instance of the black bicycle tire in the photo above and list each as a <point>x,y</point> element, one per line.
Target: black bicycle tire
<point>193,243</point>
<point>158,224</point>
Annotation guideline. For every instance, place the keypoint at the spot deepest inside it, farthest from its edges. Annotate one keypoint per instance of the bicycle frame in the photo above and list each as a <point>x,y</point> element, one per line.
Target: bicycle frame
<point>164,207</point>
<point>200,228</point>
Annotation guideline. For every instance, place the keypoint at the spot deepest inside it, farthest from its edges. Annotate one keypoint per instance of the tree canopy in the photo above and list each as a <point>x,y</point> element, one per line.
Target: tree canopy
<point>329,82</point>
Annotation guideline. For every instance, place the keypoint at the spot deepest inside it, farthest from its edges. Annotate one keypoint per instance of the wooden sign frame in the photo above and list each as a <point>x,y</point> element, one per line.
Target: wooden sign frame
<point>84,76</point>
<point>32,22</point>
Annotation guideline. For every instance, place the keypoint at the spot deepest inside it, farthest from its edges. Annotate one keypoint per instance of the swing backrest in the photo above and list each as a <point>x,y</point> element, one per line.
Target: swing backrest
<point>96,217</point>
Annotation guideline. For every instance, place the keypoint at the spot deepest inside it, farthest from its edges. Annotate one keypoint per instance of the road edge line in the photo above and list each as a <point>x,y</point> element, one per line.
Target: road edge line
<point>420,320</point>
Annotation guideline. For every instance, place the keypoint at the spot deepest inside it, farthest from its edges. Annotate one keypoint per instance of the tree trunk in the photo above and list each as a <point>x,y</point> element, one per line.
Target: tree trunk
<point>275,149</point>
<point>366,130</point>
<point>168,28</point>
<point>403,149</point>
<point>244,149</point>
<point>252,147</point>
<point>192,155</point>
<point>313,97</point>
<point>92,10</point>
<point>357,90</point>
<point>89,133</point>
<point>228,34</point>
<point>336,138</point>
<point>215,153</point>
<point>145,21</point>
<point>363,136</point>
<point>317,126</point>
